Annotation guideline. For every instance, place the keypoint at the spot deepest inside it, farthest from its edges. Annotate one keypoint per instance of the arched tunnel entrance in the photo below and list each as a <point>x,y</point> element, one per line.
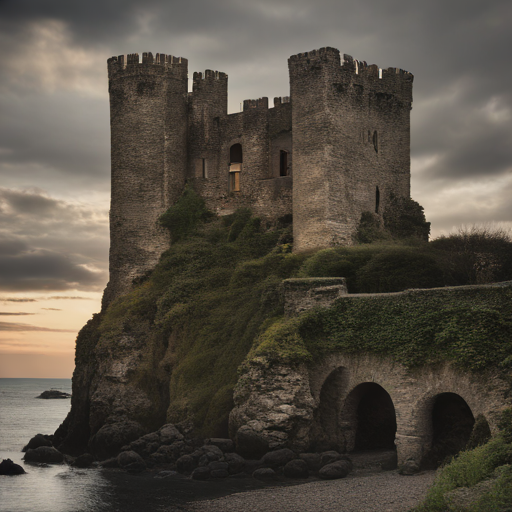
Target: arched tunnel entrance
<point>451,422</point>
<point>365,420</point>
<point>375,418</point>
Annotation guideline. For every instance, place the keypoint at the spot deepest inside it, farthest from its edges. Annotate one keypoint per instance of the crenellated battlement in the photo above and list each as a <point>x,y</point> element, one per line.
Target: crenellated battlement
<point>281,100</point>
<point>132,64</point>
<point>260,103</point>
<point>326,54</point>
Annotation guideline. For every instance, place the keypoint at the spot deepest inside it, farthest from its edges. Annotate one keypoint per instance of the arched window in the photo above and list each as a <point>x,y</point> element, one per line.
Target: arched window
<point>377,199</point>
<point>283,163</point>
<point>235,167</point>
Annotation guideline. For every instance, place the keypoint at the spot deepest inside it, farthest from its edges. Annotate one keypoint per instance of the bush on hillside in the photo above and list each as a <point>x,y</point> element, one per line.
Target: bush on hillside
<point>475,255</point>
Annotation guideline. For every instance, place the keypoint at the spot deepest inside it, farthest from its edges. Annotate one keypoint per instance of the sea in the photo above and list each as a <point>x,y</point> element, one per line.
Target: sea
<point>62,488</point>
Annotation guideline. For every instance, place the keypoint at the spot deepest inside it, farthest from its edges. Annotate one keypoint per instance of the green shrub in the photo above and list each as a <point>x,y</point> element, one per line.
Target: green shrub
<point>399,269</point>
<point>481,433</point>
<point>184,216</point>
<point>505,425</point>
<point>466,470</point>
<point>404,218</point>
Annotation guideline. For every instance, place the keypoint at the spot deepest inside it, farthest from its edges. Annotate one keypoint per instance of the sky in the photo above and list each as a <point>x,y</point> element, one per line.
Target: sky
<point>55,141</point>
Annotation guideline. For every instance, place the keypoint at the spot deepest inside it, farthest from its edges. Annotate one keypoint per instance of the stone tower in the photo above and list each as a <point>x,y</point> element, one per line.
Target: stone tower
<point>337,147</point>
<point>148,120</point>
<point>351,143</point>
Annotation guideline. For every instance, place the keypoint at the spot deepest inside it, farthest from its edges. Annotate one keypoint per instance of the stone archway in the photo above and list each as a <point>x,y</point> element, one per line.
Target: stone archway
<point>369,418</point>
<point>451,423</point>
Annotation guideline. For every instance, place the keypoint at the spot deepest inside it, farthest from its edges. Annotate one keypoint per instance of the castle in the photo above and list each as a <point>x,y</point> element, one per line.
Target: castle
<point>338,146</point>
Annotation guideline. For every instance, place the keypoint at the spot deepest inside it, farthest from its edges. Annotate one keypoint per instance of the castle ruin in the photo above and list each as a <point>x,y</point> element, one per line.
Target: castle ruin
<point>338,146</point>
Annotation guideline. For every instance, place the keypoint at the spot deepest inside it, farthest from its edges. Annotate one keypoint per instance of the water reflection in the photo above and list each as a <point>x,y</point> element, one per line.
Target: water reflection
<point>54,488</point>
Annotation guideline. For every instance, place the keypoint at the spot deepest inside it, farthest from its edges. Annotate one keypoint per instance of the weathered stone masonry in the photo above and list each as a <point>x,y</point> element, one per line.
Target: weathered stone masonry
<point>338,146</point>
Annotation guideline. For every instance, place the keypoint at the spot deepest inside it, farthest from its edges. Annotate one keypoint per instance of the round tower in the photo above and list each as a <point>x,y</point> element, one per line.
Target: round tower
<point>148,126</point>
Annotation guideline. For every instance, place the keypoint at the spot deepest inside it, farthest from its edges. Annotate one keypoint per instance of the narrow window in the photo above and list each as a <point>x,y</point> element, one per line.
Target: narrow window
<point>375,142</point>
<point>377,199</point>
<point>235,167</point>
<point>283,163</point>
<point>205,170</point>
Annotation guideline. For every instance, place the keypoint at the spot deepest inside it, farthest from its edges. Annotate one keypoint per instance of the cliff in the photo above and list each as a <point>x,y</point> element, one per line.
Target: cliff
<point>173,349</point>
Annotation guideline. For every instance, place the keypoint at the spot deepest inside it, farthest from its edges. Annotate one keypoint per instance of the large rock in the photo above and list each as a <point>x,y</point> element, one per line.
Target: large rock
<point>226,445</point>
<point>275,402</point>
<point>37,441</point>
<point>313,461</point>
<point>297,468</point>
<point>265,474</point>
<point>202,473</point>
<point>53,393</point>
<point>110,438</point>
<point>338,469</point>
<point>83,461</point>
<point>186,464</point>
<point>46,454</point>
<point>278,458</point>
<point>169,434</point>
<point>235,462</point>
<point>329,457</point>
<point>8,467</point>
<point>250,444</point>
<point>131,461</point>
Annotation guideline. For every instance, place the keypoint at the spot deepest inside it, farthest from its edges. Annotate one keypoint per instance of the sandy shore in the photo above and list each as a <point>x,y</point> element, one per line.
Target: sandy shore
<point>378,492</point>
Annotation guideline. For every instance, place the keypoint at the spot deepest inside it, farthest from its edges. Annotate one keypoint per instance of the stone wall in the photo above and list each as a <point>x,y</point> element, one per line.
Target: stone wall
<point>303,294</point>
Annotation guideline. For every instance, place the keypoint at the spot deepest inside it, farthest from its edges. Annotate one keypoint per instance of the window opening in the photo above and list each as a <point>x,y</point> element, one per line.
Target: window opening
<point>375,142</point>
<point>377,199</point>
<point>205,171</point>
<point>235,167</point>
<point>283,163</point>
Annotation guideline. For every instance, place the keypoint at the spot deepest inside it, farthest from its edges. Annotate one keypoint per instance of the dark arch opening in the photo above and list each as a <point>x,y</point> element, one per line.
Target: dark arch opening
<point>377,199</point>
<point>376,418</point>
<point>283,163</point>
<point>452,423</point>
<point>235,154</point>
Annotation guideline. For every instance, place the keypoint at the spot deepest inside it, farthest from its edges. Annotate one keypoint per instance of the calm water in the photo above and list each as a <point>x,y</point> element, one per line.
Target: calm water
<point>61,488</point>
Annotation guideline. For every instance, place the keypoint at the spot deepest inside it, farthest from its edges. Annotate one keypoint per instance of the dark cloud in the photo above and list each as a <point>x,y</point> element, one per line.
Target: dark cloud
<point>14,299</point>
<point>50,244</point>
<point>62,297</point>
<point>2,313</point>
<point>16,327</point>
<point>51,309</point>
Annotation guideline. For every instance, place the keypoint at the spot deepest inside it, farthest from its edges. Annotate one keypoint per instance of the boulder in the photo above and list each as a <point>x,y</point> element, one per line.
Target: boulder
<point>236,463</point>
<point>131,460</point>
<point>409,467</point>
<point>186,464</point>
<point>53,393</point>
<point>313,460</point>
<point>219,473</point>
<point>169,434</point>
<point>217,465</point>
<point>265,474</point>
<point>329,457</point>
<point>334,470</point>
<point>83,461</point>
<point>8,467</point>
<point>166,474</point>
<point>278,458</point>
<point>37,441</point>
<point>226,445</point>
<point>46,454</point>
<point>110,463</point>
<point>212,452</point>
<point>202,473</point>
<point>250,444</point>
<point>297,468</point>
<point>111,437</point>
